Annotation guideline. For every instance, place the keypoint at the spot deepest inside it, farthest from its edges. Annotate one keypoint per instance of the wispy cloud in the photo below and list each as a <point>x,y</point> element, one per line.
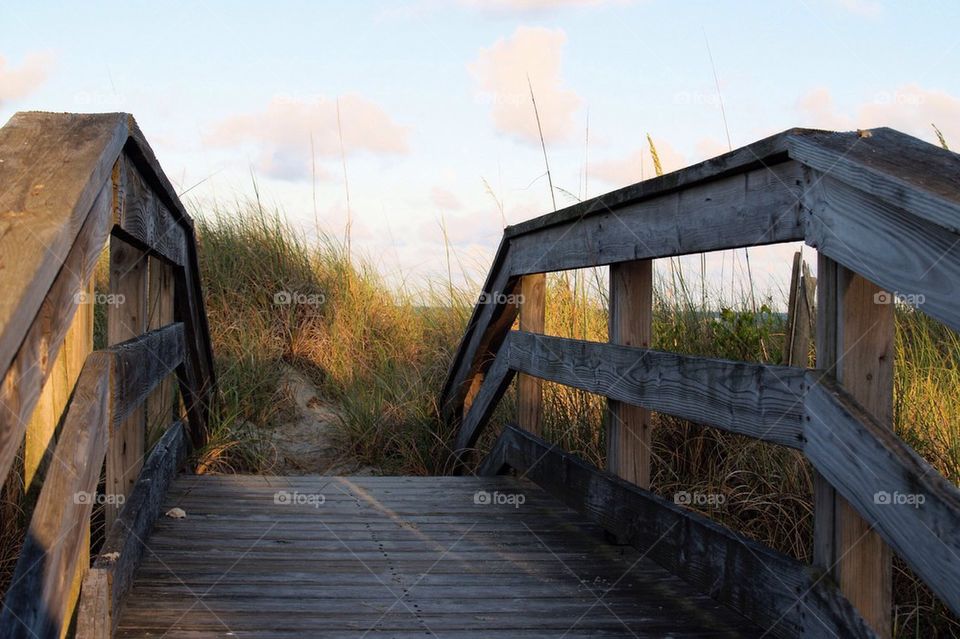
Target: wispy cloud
<point>286,130</point>
<point>18,82</point>
<point>502,71</point>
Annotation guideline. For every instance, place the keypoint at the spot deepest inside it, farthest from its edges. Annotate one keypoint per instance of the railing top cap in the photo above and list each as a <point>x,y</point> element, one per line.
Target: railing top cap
<point>882,159</point>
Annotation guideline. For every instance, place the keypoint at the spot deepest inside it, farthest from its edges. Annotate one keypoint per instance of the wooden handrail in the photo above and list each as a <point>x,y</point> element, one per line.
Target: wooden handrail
<point>71,183</point>
<point>114,382</point>
<point>875,203</point>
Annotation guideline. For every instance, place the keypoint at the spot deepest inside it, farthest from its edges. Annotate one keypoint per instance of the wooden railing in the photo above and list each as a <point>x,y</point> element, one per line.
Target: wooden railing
<point>73,185</point>
<point>883,210</point>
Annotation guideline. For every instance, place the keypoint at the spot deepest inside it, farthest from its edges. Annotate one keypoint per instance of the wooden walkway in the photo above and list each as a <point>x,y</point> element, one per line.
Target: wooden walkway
<point>399,557</point>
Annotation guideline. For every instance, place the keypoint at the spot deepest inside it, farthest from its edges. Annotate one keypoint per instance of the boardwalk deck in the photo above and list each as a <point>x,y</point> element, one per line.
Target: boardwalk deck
<point>399,557</point>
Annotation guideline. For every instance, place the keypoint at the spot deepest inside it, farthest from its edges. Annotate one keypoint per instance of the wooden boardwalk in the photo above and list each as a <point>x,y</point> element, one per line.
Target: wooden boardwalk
<point>422,557</point>
<point>399,557</point>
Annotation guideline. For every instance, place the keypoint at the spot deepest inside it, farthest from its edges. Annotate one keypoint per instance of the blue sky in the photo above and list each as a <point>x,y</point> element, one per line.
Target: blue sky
<point>433,98</point>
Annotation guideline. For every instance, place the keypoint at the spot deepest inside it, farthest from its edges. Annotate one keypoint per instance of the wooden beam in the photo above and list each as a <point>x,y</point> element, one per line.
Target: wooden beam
<point>54,168</point>
<point>160,405</point>
<point>495,383</point>
<point>490,321</point>
<point>37,602</point>
<point>773,590</point>
<point>145,221</point>
<point>760,401</point>
<point>629,427</point>
<point>909,173</point>
<point>761,206</point>
<point>862,361</point>
<point>111,577</point>
<point>533,306</point>
<point>53,401</point>
<point>912,259</point>
<point>142,363</point>
<point>903,498</point>
<point>126,319</point>
<point>23,381</point>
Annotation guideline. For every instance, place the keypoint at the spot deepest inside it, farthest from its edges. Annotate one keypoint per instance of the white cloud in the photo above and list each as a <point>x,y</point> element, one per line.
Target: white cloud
<point>285,131</point>
<point>20,82</point>
<point>501,72</point>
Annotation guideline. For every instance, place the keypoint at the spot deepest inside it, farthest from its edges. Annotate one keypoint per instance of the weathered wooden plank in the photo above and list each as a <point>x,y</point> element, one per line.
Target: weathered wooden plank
<point>495,384</point>
<point>145,221</point>
<point>902,497</point>
<point>93,619</point>
<point>38,598</point>
<point>161,403</point>
<point>905,172</point>
<point>125,544</point>
<point>540,569</point>
<point>489,323</point>
<point>915,260</point>
<point>630,324</point>
<point>777,592</point>
<point>53,401</point>
<point>53,168</point>
<point>761,206</point>
<point>141,364</point>
<point>23,381</point>
<point>126,319</point>
<point>758,400</point>
<point>533,307</point>
<point>766,152</point>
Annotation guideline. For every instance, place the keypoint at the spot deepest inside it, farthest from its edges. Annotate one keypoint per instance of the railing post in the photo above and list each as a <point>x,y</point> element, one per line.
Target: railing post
<point>533,290</point>
<point>160,408</point>
<point>630,323</point>
<point>126,319</point>
<point>855,342</point>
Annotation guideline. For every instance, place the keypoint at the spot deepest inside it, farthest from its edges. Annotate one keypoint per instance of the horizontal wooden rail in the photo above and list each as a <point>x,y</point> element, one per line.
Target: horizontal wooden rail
<point>111,577</point>
<point>761,401</point>
<point>913,507</point>
<point>38,598</point>
<point>777,592</point>
<point>113,383</point>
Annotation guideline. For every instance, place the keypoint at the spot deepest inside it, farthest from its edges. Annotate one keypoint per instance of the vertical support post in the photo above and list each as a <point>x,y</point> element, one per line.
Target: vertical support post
<point>855,342</point>
<point>126,319</point>
<point>631,324</point>
<point>802,287</point>
<point>533,289</point>
<point>160,406</point>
